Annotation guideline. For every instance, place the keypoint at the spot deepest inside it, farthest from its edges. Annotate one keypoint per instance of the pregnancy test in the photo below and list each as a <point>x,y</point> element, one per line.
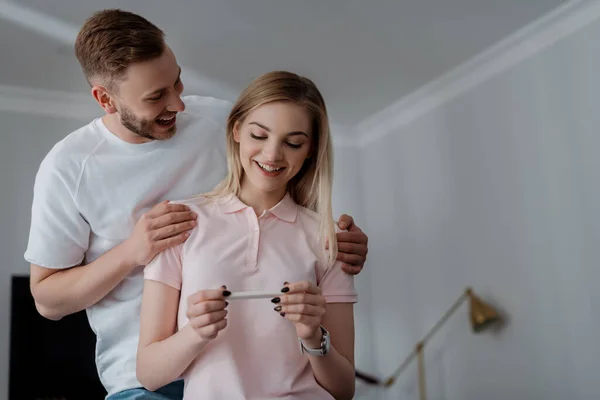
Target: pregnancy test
<point>252,295</point>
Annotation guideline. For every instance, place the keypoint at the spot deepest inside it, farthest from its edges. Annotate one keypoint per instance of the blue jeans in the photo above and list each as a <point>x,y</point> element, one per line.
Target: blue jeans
<point>172,391</point>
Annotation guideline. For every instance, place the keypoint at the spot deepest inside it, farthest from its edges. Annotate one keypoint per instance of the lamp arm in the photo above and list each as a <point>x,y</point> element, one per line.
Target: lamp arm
<point>445,317</point>
<point>427,337</point>
<point>482,315</point>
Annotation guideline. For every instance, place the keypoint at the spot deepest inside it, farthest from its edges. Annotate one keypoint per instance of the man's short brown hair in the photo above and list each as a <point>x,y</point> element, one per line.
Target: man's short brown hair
<point>111,40</point>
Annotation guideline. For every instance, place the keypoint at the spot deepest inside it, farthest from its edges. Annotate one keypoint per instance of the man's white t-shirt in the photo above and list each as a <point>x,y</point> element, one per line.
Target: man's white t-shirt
<point>89,192</point>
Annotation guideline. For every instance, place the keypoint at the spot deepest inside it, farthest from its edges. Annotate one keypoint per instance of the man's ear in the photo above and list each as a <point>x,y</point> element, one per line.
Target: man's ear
<point>236,131</point>
<point>104,99</point>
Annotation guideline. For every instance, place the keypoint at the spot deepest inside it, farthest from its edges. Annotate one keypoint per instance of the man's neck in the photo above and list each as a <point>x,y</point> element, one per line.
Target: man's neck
<point>113,124</point>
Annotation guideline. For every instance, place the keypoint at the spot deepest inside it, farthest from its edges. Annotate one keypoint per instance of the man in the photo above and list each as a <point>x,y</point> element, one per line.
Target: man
<point>101,199</point>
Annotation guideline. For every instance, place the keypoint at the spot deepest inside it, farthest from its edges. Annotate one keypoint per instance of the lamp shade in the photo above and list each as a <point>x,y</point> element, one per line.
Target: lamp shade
<point>482,314</point>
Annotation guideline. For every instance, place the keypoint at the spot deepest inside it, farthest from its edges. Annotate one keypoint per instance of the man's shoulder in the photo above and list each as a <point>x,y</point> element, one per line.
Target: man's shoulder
<point>208,109</point>
<point>68,156</point>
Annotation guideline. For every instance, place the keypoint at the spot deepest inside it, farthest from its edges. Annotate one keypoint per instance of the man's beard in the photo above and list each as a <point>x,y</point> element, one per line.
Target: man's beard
<point>143,127</point>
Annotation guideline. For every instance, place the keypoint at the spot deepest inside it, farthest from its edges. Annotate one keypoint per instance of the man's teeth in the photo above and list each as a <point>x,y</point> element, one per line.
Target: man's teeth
<point>268,168</point>
<point>165,121</point>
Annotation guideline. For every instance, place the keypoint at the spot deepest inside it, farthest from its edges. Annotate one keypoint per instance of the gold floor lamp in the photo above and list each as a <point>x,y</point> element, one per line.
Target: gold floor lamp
<point>482,316</point>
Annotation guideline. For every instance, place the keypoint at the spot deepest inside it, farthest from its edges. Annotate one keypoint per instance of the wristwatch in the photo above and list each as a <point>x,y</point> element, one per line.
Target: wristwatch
<point>325,345</point>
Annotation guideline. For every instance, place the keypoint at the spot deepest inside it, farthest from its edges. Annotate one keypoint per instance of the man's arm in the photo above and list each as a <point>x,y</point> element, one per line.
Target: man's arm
<point>60,292</point>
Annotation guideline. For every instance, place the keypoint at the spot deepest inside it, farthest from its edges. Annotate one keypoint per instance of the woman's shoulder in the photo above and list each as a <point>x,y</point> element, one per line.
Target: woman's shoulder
<point>308,216</point>
<point>200,204</point>
<point>312,219</point>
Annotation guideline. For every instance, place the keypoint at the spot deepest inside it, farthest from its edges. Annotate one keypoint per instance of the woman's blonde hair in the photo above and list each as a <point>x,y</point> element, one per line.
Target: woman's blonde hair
<point>312,185</point>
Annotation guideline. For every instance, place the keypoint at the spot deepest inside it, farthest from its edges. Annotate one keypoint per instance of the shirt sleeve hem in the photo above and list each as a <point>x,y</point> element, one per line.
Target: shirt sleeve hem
<point>169,282</point>
<point>51,265</point>
<point>341,299</point>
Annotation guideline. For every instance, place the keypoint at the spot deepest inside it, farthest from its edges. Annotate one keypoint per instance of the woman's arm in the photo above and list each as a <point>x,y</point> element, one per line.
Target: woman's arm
<point>304,305</point>
<point>335,370</point>
<point>163,352</point>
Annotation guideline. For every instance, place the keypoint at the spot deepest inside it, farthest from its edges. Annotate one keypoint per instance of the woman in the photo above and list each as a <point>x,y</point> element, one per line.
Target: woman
<point>265,225</point>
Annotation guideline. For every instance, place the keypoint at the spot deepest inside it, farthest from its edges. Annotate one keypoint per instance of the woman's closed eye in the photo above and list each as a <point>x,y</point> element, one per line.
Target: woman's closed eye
<point>290,144</point>
<point>253,136</point>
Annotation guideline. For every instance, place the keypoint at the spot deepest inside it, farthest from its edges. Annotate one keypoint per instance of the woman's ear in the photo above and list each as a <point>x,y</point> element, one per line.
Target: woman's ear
<point>236,131</point>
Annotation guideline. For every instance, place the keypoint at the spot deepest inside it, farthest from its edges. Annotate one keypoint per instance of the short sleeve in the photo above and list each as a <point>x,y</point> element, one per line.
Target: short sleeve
<point>166,267</point>
<point>59,234</point>
<point>338,286</point>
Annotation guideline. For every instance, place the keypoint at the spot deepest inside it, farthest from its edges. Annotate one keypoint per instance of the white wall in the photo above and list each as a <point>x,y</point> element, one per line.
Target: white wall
<point>24,141</point>
<point>498,189</point>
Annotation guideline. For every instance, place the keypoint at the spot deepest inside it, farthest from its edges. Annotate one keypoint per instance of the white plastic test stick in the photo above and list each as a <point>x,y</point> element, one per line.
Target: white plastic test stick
<point>252,295</point>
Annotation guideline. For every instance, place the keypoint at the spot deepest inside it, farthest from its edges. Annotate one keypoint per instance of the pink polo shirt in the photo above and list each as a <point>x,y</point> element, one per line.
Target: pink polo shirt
<point>257,356</point>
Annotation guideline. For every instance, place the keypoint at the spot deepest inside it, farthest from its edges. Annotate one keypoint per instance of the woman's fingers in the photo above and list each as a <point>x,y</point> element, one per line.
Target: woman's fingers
<point>205,307</point>
<point>211,331</point>
<point>301,287</point>
<point>208,319</point>
<point>300,298</point>
<point>304,309</point>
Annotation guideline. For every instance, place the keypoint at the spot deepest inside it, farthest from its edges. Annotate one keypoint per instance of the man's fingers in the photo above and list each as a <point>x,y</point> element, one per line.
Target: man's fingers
<point>172,218</point>
<point>345,221</point>
<point>351,269</point>
<point>165,207</point>
<point>158,209</point>
<point>170,242</point>
<point>352,259</point>
<point>356,229</point>
<point>351,237</point>
<point>352,248</point>
<point>172,230</point>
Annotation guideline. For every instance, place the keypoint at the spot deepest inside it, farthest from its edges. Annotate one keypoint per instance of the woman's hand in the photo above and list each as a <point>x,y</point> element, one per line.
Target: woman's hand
<point>206,312</point>
<point>302,303</point>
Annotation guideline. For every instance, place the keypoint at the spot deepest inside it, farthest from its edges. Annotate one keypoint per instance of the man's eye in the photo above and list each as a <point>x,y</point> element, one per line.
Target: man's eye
<point>158,97</point>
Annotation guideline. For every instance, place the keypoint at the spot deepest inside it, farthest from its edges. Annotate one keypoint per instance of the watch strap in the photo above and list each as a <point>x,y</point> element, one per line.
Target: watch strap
<point>325,345</point>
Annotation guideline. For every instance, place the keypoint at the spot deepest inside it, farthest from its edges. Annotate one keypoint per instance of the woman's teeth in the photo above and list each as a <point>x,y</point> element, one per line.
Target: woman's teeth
<point>269,168</point>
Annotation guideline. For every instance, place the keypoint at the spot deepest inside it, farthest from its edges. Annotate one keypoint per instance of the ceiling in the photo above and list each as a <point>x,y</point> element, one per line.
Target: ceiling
<point>364,55</point>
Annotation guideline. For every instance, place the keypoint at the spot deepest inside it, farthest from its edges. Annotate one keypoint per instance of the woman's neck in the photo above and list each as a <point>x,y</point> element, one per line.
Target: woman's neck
<point>258,199</point>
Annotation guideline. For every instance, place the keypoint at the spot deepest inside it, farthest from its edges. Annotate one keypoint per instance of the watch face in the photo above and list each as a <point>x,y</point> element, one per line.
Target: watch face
<point>326,341</point>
